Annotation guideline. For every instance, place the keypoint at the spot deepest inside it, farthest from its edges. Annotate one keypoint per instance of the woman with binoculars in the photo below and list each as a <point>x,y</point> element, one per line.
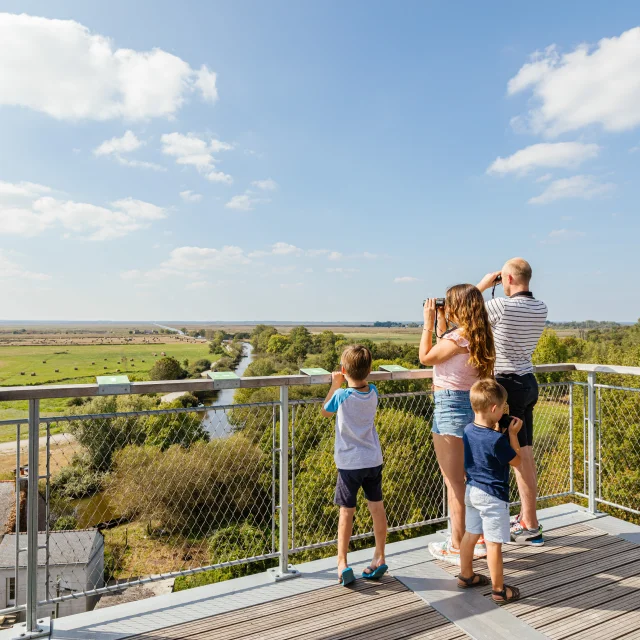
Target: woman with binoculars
<point>463,353</point>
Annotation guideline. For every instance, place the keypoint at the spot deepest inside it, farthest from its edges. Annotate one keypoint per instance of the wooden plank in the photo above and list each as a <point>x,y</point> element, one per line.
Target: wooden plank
<point>591,561</point>
<point>596,598</point>
<point>332,624</point>
<point>280,606</point>
<point>580,572</point>
<point>589,618</point>
<point>297,613</point>
<point>554,595</point>
<point>624,627</point>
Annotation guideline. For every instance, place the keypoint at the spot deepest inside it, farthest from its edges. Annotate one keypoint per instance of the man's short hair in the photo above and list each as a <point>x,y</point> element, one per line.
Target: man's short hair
<point>520,269</point>
<point>486,393</point>
<point>356,361</point>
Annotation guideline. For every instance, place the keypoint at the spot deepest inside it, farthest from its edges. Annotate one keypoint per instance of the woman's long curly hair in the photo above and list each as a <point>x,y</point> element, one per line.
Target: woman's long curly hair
<point>465,304</point>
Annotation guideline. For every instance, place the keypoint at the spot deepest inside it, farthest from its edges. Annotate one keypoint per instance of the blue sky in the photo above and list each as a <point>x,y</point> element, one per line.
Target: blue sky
<point>323,161</point>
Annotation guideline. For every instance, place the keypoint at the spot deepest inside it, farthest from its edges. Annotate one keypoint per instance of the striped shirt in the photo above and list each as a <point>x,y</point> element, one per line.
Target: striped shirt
<point>517,324</point>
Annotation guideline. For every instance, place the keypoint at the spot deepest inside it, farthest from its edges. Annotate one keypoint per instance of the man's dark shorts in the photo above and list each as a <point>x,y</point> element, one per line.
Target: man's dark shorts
<point>350,481</point>
<point>522,397</point>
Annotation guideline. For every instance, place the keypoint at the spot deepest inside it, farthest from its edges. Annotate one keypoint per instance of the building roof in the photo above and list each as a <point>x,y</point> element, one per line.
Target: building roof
<point>65,547</point>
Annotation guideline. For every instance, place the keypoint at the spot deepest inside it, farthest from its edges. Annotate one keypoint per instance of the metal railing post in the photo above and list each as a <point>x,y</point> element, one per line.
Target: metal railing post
<point>284,570</point>
<point>32,518</point>
<point>571,485</point>
<point>591,427</point>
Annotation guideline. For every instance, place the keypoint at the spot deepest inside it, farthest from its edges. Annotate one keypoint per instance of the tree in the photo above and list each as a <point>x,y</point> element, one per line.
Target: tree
<point>167,368</point>
<point>278,344</point>
<point>550,350</point>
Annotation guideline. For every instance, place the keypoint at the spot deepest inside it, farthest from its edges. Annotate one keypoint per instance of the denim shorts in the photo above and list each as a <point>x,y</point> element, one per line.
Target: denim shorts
<point>486,514</point>
<point>452,414</point>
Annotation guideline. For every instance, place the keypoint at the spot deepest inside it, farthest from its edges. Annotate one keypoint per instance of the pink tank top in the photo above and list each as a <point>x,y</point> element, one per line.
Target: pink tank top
<point>456,373</point>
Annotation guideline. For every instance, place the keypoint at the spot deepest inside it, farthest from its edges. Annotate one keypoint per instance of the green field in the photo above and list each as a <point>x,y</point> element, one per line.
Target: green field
<point>81,364</point>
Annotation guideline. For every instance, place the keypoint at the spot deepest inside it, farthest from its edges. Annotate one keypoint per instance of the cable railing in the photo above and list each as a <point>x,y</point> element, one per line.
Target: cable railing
<point>133,497</point>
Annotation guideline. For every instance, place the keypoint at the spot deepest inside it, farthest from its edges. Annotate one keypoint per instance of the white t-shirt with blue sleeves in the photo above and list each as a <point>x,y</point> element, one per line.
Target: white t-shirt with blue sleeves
<point>357,445</point>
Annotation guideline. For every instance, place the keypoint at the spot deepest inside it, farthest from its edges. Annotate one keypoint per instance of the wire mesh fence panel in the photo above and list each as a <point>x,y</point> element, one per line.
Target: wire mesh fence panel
<point>14,442</point>
<point>552,435</point>
<point>412,484</point>
<point>145,493</point>
<point>618,447</point>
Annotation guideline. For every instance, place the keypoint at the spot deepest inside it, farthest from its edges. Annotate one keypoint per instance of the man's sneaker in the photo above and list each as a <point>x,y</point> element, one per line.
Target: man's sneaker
<point>520,534</point>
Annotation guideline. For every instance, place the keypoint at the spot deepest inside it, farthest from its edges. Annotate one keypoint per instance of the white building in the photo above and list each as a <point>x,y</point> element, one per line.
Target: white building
<point>76,563</point>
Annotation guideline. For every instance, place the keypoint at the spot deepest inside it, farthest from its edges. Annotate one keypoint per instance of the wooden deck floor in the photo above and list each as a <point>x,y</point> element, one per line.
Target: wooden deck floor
<point>373,611</point>
<point>583,584</point>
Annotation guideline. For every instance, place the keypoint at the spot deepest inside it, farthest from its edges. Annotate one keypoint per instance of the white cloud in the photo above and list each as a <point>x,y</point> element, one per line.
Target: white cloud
<point>244,202</point>
<point>74,74</point>
<point>127,143</point>
<point>291,285</point>
<point>585,187</point>
<point>41,213</point>
<point>559,235</point>
<point>199,284</point>
<point>14,271</point>
<point>265,185</point>
<point>201,258</point>
<point>634,149</point>
<point>544,155</point>
<point>592,85</point>
<point>22,189</point>
<point>404,279</point>
<point>190,196</point>
<point>369,256</point>
<point>342,270</point>
<point>334,255</point>
<point>191,149</point>
<point>545,178</point>
<point>285,249</point>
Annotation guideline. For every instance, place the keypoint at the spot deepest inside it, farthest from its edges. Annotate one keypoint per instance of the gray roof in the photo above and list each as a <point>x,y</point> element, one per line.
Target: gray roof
<point>7,502</point>
<point>65,547</point>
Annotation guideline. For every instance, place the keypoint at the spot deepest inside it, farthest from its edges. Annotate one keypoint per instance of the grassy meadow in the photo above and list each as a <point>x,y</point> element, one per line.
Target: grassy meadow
<point>78,364</point>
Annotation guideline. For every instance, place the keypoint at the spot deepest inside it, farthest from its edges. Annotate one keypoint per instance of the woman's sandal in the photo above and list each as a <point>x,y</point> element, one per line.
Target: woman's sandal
<point>515,595</point>
<point>469,583</point>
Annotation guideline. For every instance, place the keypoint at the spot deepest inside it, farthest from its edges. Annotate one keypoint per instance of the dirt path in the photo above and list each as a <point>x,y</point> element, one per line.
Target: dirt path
<point>56,439</point>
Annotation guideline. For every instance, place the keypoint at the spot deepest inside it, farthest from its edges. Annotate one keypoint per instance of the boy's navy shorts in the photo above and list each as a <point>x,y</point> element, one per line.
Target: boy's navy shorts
<point>350,481</point>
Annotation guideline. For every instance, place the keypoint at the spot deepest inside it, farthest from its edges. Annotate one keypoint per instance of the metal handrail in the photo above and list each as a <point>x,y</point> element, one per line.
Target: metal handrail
<point>35,392</point>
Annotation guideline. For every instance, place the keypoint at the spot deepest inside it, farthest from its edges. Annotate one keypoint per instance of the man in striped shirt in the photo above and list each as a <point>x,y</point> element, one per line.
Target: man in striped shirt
<point>518,321</point>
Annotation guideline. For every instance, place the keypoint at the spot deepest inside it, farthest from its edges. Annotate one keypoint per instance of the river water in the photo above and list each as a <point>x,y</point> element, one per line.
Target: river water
<point>215,422</point>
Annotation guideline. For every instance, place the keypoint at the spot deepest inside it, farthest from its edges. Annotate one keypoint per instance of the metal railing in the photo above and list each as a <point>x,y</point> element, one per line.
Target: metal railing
<point>179,491</point>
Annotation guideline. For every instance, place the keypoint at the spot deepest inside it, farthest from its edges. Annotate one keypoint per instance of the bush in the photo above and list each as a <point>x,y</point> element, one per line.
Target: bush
<point>243,540</point>
<point>77,480</point>
<point>167,368</point>
<point>65,523</point>
<point>193,491</point>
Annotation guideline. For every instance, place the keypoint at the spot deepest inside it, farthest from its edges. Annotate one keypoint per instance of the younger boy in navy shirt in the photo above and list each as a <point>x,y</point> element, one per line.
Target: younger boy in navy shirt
<point>488,453</point>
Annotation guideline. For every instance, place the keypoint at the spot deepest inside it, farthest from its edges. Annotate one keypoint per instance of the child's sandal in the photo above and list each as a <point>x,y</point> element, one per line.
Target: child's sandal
<point>469,583</point>
<point>515,595</point>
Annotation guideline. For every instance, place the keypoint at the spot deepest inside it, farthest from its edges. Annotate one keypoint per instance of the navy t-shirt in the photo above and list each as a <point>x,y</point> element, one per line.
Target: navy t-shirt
<point>487,454</point>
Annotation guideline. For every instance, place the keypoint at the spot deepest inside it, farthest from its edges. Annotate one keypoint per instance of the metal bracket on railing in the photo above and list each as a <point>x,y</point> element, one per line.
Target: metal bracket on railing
<point>43,630</point>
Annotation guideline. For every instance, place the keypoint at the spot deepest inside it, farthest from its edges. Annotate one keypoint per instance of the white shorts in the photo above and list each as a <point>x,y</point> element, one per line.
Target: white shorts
<point>487,515</point>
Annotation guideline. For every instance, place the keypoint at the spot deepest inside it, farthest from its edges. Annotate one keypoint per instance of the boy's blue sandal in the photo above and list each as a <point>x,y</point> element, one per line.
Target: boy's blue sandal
<point>347,577</point>
<point>376,573</point>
